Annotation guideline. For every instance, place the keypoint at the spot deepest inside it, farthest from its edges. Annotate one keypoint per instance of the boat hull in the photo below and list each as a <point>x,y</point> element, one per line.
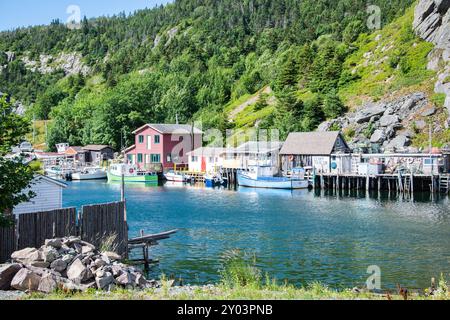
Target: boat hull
<point>143,178</point>
<point>272,183</point>
<point>89,176</point>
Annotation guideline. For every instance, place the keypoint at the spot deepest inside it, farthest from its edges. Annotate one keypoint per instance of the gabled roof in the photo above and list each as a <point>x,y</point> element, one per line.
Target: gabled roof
<point>95,147</point>
<point>207,152</point>
<point>40,177</point>
<point>257,147</point>
<point>71,150</point>
<point>310,143</point>
<point>170,128</point>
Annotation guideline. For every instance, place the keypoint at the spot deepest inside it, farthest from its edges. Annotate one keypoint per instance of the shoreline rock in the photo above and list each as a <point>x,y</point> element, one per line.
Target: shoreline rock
<point>69,264</point>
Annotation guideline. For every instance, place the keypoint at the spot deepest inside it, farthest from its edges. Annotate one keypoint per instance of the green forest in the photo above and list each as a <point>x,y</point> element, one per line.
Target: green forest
<point>196,58</point>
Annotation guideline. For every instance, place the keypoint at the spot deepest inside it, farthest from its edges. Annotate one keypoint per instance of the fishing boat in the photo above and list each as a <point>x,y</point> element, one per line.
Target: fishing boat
<point>255,178</point>
<point>131,173</point>
<point>94,173</point>
<point>176,177</point>
<point>215,180</point>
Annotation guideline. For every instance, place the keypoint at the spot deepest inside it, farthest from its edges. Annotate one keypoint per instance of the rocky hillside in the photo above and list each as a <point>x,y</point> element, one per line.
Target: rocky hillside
<point>285,64</point>
<point>397,113</point>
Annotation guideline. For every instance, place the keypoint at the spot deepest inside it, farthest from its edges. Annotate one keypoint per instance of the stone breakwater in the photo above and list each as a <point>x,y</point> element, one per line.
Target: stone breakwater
<point>69,264</point>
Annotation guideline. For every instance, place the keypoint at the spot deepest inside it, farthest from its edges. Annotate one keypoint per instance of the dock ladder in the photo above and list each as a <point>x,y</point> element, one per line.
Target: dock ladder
<point>444,183</point>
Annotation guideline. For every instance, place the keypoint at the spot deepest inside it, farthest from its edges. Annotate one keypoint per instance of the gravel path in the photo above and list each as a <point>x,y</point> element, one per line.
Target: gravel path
<point>11,295</point>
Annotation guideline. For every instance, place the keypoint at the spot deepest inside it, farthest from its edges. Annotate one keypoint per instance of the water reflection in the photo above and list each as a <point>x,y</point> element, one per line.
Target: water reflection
<point>301,236</point>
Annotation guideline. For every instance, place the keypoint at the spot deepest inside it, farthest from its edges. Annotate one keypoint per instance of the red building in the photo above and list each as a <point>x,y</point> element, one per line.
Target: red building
<point>166,144</point>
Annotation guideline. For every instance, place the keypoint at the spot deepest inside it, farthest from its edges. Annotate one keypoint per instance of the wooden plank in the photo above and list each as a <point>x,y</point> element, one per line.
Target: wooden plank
<point>7,243</point>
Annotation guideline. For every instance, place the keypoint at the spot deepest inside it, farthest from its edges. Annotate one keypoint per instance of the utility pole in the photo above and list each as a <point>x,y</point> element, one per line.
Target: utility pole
<point>34,131</point>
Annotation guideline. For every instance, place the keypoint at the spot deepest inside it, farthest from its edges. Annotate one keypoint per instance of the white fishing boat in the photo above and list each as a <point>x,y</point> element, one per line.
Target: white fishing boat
<point>176,177</point>
<point>255,178</point>
<point>90,174</point>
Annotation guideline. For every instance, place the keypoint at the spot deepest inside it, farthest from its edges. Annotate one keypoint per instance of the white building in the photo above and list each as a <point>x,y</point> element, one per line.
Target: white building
<point>206,159</point>
<point>254,153</point>
<point>48,196</point>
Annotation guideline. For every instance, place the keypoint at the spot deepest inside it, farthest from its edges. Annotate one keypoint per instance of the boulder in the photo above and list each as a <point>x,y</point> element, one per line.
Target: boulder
<point>39,264</point>
<point>370,111</point>
<point>420,124</point>
<point>399,142</point>
<point>59,265</point>
<point>389,120</point>
<point>25,280</point>
<point>7,273</point>
<point>76,271</point>
<point>48,284</point>
<point>112,256</point>
<point>99,263</point>
<point>378,136</point>
<point>55,243</point>
<point>86,249</point>
<point>50,254</point>
<point>116,270</point>
<point>68,258</point>
<point>126,279</point>
<point>105,281</point>
<point>27,256</point>
<point>429,112</point>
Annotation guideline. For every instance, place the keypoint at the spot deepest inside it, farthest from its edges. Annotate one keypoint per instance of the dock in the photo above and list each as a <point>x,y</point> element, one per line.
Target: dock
<point>144,243</point>
<point>398,182</point>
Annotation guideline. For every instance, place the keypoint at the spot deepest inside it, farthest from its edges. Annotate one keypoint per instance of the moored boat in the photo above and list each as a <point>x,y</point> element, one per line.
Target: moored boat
<point>131,173</point>
<point>253,179</point>
<point>90,174</point>
<point>215,180</point>
<point>176,177</point>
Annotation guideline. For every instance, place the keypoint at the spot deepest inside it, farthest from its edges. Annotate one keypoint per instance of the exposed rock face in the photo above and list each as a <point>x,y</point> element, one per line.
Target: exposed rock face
<point>70,264</point>
<point>432,23</point>
<point>385,123</point>
<point>70,63</point>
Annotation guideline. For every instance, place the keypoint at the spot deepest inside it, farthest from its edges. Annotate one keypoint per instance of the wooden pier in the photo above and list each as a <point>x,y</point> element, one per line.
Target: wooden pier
<point>400,183</point>
<point>144,242</point>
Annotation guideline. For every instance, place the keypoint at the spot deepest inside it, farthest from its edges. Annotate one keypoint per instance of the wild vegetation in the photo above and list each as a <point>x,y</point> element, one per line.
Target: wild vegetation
<point>14,175</point>
<point>195,59</point>
<point>242,280</point>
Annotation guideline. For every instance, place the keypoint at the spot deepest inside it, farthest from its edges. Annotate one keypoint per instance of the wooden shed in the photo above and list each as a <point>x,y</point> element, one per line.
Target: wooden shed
<point>48,193</point>
<point>319,150</point>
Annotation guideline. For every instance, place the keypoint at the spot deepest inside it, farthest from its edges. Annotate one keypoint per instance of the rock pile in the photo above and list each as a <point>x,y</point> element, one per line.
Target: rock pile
<point>68,264</point>
<point>387,124</point>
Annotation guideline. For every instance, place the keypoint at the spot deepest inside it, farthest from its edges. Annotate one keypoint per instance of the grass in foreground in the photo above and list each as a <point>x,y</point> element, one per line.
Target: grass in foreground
<point>241,280</point>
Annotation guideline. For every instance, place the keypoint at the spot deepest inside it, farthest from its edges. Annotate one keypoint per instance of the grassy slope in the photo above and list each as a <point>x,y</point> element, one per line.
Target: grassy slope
<point>379,61</point>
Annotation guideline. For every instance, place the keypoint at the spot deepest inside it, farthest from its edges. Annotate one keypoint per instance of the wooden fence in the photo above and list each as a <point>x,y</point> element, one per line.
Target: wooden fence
<point>95,224</point>
<point>105,226</point>
<point>7,243</point>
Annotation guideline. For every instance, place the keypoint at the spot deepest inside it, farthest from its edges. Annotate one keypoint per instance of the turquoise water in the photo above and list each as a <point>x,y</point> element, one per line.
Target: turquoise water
<point>300,236</point>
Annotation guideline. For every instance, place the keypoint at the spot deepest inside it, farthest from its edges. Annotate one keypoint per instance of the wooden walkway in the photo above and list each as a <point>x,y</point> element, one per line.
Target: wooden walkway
<point>401,183</point>
<point>144,242</point>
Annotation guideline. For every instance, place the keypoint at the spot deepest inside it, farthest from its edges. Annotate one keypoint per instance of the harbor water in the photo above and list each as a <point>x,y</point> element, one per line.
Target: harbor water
<point>301,236</point>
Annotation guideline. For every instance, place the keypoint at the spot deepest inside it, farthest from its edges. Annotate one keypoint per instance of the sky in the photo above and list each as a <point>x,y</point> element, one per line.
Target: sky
<point>23,13</point>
